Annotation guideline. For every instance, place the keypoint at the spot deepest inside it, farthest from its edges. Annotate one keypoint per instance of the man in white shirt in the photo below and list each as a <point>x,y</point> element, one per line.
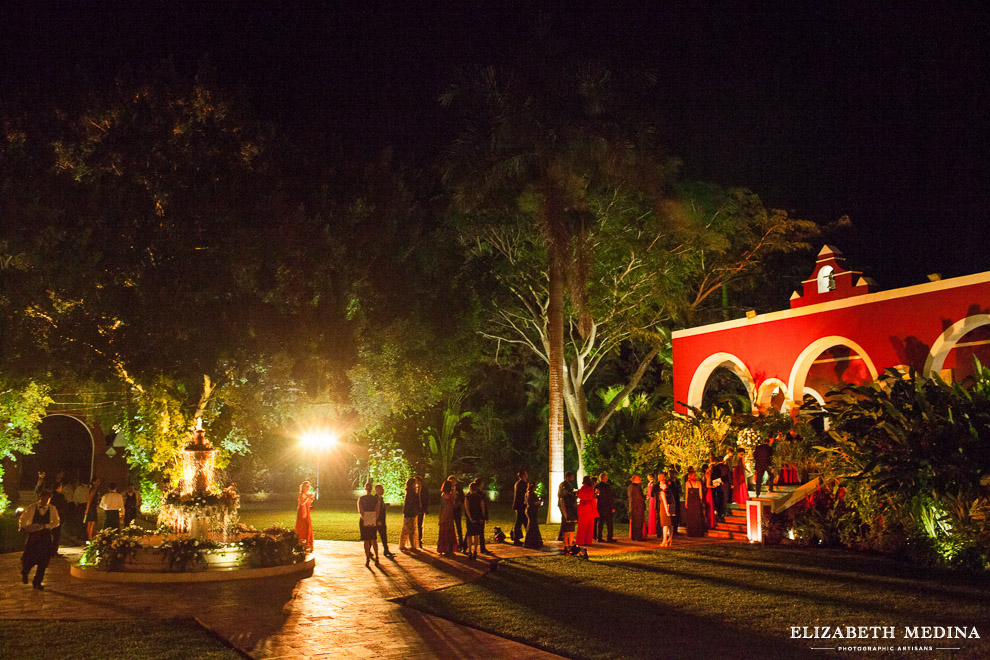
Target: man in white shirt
<point>80,495</point>
<point>113,504</point>
<point>38,520</point>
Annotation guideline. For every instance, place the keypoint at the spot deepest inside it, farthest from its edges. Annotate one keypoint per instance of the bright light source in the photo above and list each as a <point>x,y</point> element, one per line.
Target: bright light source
<point>318,439</point>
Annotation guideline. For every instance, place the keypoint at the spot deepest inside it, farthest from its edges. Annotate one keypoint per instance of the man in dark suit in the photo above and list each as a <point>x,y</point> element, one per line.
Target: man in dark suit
<point>674,490</point>
<point>519,506</point>
<point>718,501</point>
<point>762,457</point>
<point>606,508</point>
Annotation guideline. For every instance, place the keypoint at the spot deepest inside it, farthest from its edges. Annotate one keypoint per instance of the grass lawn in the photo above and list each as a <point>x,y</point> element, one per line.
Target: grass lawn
<point>337,520</point>
<point>725,601</point>
<point>177,639</point>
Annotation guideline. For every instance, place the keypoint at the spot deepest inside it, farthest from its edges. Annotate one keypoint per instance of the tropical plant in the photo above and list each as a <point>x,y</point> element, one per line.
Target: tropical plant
<point>441,443</point>
<point>21,410</point>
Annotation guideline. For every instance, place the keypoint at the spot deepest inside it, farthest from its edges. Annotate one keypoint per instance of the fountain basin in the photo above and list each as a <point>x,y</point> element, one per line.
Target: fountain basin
<point>158,572</point>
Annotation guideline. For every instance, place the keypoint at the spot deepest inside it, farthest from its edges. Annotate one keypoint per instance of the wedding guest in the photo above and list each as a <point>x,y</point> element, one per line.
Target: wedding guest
<point>519,506</point>
<point>534,539</point>
<point>650,493</point>
<point>694,517</point>
<point>740,487</point>
<point>636,504</point>
<point>715,483</point>
<point>606,508</point>
<point>80,495</point>
<point>368,509</point>
<point>424,507</point>
<point>61,506</point>
<point>410,517</point>
<point>586,513</point>
<point>674,486</point>
<point>458,510</point>
<point>567,503</point>
<point>130,505</point>
<point>38,520</point>
<point>382,530</point>
<point>304,515</point>
<point>112,504</point>
<point>92,515</point>
<point>474,510</point>
<point>762,459</point>
<point>446,536</point>
<point>664,507</point>
<point>481,489</point>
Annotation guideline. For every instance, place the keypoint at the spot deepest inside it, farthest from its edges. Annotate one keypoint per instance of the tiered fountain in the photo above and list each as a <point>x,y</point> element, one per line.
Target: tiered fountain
<point>198,537</point>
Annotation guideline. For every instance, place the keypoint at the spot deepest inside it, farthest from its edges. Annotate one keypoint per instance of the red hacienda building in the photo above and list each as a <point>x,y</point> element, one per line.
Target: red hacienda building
<point>839,330</point>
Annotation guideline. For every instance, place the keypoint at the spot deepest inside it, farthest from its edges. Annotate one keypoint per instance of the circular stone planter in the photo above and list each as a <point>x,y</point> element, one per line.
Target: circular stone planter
<point>217,569</point>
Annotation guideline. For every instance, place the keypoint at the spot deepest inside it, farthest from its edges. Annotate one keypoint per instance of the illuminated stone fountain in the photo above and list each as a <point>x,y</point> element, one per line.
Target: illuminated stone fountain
<point>198,537</point>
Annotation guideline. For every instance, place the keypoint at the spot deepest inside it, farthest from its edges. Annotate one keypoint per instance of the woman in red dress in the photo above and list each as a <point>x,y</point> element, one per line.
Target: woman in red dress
<point>587,512</point>
<point>650,529</point>
<point>304,517</point>
<point>709,504</point>
<point>739,485</point>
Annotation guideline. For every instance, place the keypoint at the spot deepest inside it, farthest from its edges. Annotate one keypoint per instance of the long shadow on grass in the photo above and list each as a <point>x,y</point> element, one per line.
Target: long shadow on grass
<point>903,579</point>
<point>570,616</point>
<point>720,583</point>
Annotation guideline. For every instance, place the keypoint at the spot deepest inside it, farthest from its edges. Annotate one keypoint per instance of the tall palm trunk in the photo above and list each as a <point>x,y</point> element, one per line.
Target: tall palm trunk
<point>555,336</point>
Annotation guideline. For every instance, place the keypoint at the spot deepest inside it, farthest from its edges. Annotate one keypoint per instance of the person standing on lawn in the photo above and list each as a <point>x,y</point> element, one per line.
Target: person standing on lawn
<point>410,517</point>
<point>586,513</point>
<point>481,489</point>
<point>382,530</point>
<point>694,516</point>
<point>458,510</point>
<point>474,510</point>
<point>636,509</point>
<point>664,507</point>
<point>567,502</point>
<point>369,508</point>
<point>606,508</point>
<point>446,536</point>
<point>534,539</point>
<point>38,520</point>
<point>304,515</point>
<point>519,506</point>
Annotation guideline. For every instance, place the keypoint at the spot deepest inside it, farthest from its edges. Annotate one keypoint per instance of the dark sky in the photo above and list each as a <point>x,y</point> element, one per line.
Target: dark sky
<point>865,109</point>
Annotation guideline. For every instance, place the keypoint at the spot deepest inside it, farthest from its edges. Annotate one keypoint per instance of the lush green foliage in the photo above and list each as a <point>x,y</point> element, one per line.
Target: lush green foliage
<point>387,465</point>
<point>685,442</point>
<point>21,410</point>
<point>111,547</point>
<point>910,458</point>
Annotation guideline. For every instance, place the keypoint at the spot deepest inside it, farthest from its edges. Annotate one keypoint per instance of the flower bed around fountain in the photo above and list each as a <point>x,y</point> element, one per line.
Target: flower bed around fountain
<point>198,538</point>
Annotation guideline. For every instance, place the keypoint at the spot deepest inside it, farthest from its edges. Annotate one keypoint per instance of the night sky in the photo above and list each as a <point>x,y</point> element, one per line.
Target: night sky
<point>861,109</point>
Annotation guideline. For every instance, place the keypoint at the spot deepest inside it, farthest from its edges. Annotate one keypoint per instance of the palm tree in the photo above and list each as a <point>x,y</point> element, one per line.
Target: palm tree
<point>532,152</point>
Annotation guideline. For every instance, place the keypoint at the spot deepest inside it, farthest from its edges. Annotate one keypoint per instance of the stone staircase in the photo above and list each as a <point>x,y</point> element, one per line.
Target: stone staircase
<point>734,526</point>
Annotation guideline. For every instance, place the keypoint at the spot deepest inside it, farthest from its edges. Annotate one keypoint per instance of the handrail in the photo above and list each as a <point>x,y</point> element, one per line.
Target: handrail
<point>795,496</point>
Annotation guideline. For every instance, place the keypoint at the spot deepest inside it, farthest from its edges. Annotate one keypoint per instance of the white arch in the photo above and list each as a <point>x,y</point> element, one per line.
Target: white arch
<point>947,341</point>
<point>696,391</point>
<point>799,372</point>
<point>764,394</point>
<point>92,441</point>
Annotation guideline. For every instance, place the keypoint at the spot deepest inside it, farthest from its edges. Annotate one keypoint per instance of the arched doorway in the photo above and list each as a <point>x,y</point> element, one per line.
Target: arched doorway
<point>66,444</point>
<point>772,396</point>
<point>952,353</point>
<point>720,376</point>
<point>828,363</point>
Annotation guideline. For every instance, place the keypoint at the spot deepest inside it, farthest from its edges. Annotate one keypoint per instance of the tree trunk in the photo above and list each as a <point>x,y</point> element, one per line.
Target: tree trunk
<point>555,332</point>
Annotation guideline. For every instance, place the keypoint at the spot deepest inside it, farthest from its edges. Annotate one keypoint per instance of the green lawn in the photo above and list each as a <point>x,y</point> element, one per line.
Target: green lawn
<point>337,520</point>
<point>179,639</point>
<point>725,601</point>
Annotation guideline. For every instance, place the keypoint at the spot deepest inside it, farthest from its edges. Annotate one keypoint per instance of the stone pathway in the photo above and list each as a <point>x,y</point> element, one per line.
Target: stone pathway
<point>343,611</point>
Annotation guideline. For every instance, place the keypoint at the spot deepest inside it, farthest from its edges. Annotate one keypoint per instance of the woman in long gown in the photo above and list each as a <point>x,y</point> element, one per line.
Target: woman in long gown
<point>447,534</point>
<point>534,539</point>
<point>304,516</point>
<point>739,486</point>
<point>651,507</point>
<point>636,503</point>
<point>665,509</point>
<point>694,516</point>
<point>709,504</point>
<point>587,512</point>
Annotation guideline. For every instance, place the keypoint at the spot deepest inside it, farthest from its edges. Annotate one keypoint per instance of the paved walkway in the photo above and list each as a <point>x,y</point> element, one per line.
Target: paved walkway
<point>343,611</point>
